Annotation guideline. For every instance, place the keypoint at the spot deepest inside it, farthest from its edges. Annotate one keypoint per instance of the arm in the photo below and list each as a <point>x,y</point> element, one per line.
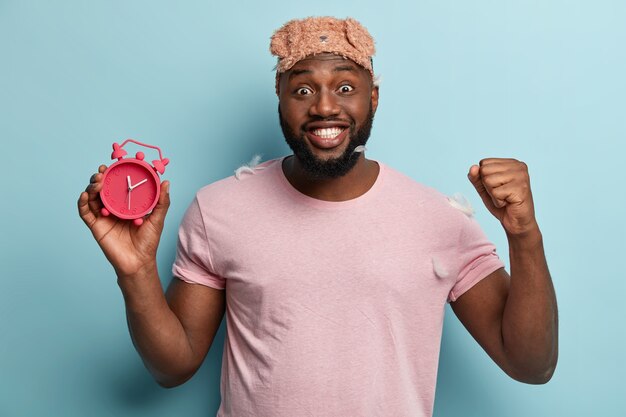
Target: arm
<point>513,318</point>
<point>173,334</point>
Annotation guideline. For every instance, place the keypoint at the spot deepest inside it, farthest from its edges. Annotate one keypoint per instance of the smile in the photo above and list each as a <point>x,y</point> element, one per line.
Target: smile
<point>327,137</point>
<point>327,133</point>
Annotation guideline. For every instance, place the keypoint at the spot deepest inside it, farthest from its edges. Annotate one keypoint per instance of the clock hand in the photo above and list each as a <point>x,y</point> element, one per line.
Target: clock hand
<point>130,188</point>
<point>138,184</point>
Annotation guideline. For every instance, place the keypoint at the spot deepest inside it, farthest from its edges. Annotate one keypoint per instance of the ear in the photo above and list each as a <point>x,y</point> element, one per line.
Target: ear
<point>374,98</point>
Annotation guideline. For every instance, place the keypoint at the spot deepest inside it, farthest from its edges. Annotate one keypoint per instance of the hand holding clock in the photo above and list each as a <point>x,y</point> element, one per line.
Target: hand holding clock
<point>129,248</point>
<point>128,234</point>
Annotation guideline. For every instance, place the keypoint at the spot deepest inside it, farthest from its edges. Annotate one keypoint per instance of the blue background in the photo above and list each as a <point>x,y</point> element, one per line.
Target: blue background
<point>541,81</point>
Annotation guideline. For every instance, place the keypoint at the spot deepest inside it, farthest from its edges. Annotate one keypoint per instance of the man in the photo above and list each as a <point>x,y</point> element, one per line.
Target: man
<point>333,269</point>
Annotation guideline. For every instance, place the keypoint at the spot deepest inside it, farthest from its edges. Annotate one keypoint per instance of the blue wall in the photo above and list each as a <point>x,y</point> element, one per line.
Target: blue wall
<point>542,81</point>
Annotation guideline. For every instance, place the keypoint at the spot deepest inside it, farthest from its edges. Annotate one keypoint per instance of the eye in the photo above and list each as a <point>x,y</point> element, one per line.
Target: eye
<point>346,88</point>
<point>303,91</point>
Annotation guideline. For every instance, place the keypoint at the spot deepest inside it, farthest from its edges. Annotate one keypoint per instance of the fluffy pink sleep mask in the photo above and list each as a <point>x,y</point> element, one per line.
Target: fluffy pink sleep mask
<point>300,38</point>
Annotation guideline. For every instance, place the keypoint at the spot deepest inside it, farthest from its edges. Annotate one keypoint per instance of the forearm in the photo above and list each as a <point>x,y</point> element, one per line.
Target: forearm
<point>530,318</point>
<point>156,332</point>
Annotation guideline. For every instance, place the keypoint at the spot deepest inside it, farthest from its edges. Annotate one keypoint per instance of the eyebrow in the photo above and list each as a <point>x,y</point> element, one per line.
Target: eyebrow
<point>296,72</point>
<point>344,68</point>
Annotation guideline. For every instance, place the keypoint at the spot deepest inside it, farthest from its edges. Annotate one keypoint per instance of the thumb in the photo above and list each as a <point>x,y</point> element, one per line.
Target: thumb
<point>160,210</point>
<point>474,176</point>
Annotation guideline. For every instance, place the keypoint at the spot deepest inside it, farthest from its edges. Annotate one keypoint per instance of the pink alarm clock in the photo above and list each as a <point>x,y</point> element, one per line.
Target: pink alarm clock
<point>131,186</point>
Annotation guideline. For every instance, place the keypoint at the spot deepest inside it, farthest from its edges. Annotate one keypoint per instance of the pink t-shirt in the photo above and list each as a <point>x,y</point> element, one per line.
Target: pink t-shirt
<point>332,308</point>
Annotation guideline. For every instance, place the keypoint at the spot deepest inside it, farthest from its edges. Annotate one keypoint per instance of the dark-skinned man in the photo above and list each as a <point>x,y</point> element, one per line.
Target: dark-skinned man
<point>333,270</point>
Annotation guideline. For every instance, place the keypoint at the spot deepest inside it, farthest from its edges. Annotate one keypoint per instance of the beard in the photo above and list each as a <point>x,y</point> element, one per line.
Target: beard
<point>329,168</point>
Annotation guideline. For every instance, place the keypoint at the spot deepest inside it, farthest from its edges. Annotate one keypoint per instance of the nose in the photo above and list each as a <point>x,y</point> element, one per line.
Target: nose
<point>325,104</point>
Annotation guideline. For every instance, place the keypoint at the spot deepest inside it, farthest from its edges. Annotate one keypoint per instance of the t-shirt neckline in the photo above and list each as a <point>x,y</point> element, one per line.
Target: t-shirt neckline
<point>301,198</point>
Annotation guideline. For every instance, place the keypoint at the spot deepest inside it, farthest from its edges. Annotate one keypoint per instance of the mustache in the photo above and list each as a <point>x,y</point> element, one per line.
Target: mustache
<point>349,122</point>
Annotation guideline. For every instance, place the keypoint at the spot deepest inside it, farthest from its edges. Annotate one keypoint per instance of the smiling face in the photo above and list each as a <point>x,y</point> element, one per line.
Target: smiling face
<point>326,109</point>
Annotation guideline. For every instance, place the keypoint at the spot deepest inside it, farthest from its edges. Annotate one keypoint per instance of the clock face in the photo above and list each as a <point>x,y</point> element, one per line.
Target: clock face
<point>130,189</point>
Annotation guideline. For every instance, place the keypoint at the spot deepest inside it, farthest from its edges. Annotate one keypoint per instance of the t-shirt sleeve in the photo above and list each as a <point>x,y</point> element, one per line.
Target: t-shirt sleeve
<point>477,258</point>
<point>193,262</point>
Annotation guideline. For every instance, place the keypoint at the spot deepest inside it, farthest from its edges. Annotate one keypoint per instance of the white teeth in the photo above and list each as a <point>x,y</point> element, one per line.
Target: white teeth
<point>328,133</point>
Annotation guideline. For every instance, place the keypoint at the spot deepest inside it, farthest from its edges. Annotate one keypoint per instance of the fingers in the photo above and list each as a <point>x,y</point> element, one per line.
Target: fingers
<point>95,178</point>
<point>507,194</point>
<point>92,190</point>
<point>84,211</point>
<point>500,180</point>
<point>476,179</point>
<point>89,204</point>
<point>493,181</point>
<point>157,217</point>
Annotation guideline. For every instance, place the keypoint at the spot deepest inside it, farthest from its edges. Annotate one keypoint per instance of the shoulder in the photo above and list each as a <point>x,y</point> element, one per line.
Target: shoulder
<point>432,208</point>
<point>404,186</point>
<point>248,185</point>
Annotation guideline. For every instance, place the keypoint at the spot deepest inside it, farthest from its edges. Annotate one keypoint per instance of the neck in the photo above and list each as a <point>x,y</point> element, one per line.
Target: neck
<point>352,185</point>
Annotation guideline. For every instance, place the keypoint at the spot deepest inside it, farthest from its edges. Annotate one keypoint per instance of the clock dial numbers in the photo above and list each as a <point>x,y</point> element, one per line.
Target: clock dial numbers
<point>130,189</point>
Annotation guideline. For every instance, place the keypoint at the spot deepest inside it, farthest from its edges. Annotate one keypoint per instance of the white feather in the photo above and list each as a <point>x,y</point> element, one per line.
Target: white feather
<point>250,167</point>
<point>439,270</point>
<point>458,201</point>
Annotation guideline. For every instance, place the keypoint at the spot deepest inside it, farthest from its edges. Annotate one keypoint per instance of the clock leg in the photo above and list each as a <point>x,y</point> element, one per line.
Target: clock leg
<point>138,222</point>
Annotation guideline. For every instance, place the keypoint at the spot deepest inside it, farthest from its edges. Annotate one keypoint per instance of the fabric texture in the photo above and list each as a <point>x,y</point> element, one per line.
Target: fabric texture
<point>332,308</point>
